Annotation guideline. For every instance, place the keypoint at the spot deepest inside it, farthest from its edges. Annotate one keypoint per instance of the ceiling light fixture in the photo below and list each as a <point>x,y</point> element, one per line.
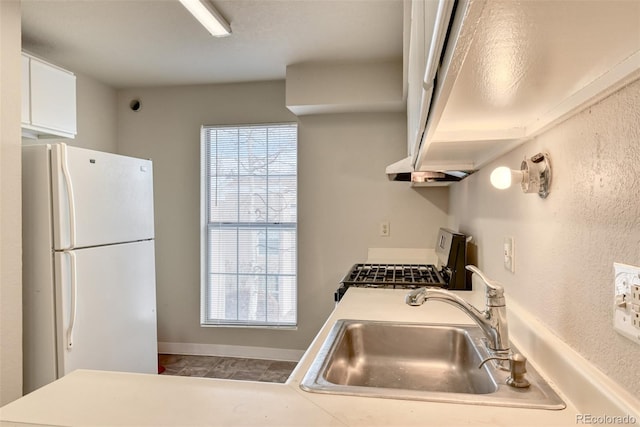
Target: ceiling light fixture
<point>208,16</point>
<point>534,175</point>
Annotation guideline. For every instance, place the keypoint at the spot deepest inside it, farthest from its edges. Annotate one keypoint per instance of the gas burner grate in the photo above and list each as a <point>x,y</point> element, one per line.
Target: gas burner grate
<point>393,275</point>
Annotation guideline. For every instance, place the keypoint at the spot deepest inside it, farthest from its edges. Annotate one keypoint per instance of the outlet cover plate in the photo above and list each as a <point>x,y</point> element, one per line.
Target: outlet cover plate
<point>384,229</point>
<point>626,312</point>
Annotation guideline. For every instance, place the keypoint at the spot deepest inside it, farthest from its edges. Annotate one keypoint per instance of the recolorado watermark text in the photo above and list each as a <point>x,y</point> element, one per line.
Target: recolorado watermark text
<point>605,419</point>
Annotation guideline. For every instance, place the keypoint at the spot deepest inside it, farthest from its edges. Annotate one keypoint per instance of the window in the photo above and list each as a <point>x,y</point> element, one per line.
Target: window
<point>249,213</point>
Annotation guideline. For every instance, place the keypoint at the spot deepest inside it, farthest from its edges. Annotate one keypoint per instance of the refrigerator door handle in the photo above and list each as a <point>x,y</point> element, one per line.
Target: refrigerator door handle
<point>74,300</point>
<point>70,198</point>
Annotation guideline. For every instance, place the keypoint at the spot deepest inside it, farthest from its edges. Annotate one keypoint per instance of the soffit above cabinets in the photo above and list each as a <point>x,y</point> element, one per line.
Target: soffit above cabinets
<point>344,87</point>
<point>515,68</point>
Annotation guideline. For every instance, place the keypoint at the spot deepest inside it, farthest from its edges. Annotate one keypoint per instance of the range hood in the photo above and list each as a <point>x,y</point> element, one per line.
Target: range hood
<point>403,171</point>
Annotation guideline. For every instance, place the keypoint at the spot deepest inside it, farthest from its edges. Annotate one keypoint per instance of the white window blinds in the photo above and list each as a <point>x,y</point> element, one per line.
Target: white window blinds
<point>250,212</point>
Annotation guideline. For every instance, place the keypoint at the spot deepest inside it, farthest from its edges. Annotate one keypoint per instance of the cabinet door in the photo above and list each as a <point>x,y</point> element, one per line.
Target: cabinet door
<point>417,59</point>
<point>26,92</point>
<point>53,98</point>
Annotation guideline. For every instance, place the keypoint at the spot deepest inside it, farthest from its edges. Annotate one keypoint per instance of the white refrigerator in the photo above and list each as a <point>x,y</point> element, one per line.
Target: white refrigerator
<point>89,295</point>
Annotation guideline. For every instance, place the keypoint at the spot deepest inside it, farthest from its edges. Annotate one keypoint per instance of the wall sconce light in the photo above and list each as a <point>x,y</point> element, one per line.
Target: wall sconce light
<point>534,175</point>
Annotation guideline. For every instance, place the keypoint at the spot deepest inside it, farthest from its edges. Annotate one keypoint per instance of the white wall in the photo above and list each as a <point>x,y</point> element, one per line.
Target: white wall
<point>10,205</point>
<point>343,194</point>
<point>97,115</point>
<point>565,246</point>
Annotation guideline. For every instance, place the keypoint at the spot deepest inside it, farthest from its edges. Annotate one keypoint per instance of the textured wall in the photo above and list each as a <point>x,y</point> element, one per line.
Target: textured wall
<point>343,195</point>
<point>565,246</point>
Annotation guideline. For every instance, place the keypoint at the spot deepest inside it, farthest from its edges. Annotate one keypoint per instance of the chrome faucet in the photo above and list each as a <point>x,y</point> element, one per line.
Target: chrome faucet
<point>492,321</point>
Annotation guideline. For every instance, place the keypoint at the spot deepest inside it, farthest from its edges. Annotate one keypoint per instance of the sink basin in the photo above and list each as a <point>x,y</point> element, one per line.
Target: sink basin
<point>418,361</point>
<point>404,357</point>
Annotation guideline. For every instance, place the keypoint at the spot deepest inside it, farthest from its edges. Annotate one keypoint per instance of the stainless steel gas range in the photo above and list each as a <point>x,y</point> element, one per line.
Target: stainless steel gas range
<point>449,273</point>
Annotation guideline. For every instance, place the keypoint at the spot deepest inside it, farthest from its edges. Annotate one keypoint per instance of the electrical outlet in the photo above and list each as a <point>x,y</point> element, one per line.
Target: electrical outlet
<point>509,261</point>
<point>635,294</point>
<point>626,315</point>
<point>635,305</point>
<point>384,229</point>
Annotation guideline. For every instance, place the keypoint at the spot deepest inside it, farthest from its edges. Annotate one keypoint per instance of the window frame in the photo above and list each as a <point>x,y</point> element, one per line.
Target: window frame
<point>204,230</point>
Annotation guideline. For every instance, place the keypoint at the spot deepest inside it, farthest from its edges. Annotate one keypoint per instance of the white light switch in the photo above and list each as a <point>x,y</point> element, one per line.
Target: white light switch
<point>509,262</point>
<point>626,315</point>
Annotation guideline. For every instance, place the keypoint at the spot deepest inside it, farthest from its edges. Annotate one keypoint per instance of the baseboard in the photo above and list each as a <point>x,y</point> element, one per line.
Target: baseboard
<point>588,388</point>
<point>230,351</point>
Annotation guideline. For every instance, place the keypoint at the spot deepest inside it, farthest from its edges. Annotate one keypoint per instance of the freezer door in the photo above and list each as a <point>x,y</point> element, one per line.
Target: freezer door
<point>100,198</point>
<point>106,317</point>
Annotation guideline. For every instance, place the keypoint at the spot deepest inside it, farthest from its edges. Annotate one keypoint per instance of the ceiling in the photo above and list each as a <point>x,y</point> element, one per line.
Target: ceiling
<point>132,43</point>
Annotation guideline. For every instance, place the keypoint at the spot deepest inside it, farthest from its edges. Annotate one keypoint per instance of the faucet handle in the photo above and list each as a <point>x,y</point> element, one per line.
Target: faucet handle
<point>494,289</point>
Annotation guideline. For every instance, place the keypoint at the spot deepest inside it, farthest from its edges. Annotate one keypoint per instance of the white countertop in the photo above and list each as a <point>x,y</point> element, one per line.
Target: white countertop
<point>110,398</point>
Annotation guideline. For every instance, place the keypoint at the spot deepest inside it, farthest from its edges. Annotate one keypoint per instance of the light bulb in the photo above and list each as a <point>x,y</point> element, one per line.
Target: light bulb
<point>534,175</point>
<point>501,177</point>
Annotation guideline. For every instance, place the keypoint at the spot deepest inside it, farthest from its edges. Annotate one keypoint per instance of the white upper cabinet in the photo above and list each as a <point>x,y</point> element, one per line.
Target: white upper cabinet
<point>417,45</point>
<point>512,69</point>
<point>427,22</point>
<point>48,99</point>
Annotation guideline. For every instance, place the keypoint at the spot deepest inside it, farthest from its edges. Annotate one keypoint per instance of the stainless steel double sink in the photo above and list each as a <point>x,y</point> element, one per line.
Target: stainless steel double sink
<point>412,361</point>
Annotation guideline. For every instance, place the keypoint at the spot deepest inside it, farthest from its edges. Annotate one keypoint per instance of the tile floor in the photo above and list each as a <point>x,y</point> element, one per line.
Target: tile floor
<point>233,368</point>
